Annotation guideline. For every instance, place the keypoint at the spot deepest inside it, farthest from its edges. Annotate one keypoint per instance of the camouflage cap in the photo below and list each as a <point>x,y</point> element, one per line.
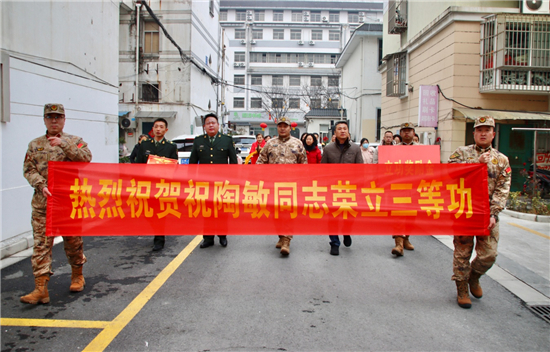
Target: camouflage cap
<point>407,125</point>
<point>484,121</point>
<point>54,109</point>
<point>284,120</point>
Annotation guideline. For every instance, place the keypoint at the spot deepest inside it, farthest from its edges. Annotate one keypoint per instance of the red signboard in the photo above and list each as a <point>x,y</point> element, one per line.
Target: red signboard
<point>408,154</point>
<point>92,199</point>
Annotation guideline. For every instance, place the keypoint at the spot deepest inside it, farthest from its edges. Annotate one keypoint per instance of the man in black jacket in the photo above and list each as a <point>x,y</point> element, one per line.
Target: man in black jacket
<point>342,151</point>
<point>213,148</point>
<point>159,146</point>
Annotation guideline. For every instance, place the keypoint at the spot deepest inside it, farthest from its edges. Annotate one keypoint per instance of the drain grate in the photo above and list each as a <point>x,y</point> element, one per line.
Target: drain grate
<point>541,311</point>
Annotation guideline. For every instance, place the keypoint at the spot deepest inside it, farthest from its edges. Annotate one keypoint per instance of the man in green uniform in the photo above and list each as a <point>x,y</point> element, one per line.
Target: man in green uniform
<point>213,147</point>
<point>159,146</point>
<point>55,145</point>
<point>500,176</point>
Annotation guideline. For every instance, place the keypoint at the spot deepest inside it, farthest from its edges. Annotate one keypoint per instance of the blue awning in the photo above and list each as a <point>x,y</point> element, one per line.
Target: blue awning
<point>123,113</point>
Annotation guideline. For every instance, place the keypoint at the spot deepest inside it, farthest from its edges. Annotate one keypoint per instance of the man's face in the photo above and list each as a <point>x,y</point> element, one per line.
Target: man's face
<point>159,130</point>
<point>283,129</point>
<point>407,134</point>
<point>211,126</point>
<point>484,135</point>
<point>388,138</point>
<point>342,132</point>
<point>54,123</point>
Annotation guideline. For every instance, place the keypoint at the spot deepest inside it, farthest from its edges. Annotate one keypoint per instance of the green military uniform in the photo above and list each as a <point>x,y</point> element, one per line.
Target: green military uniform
<point>220,151</point>
<point>164,148</point>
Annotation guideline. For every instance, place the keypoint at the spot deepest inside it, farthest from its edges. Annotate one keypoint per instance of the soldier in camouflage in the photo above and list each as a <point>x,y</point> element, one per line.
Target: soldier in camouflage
<point>500,174</point>
<point>55,145</point>
<point>283,149</point>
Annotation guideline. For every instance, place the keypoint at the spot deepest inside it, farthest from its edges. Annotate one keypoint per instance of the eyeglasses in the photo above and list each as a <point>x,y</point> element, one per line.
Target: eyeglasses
<point>54,117</point>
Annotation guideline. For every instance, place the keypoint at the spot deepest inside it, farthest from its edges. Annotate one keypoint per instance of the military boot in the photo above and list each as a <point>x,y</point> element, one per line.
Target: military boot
<point>285,246</point>
<point>407,244</point>
<point>463,297</point>
<point>475,287</point>
<point>398,249</point>
<point>40,293</point>
<point>77,280</point>
<point>280,243</point>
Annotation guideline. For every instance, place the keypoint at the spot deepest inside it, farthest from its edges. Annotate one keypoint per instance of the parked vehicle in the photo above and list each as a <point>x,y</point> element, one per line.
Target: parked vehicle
<point>244,143</point>
<point>184,144</point>
<point>542,182</point>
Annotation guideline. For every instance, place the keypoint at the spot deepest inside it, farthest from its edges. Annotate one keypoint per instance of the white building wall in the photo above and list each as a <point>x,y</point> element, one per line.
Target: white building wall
<point>66,64</point>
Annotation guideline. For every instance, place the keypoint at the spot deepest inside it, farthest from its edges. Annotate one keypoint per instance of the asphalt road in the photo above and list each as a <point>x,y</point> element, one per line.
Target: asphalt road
<point>246,297</point>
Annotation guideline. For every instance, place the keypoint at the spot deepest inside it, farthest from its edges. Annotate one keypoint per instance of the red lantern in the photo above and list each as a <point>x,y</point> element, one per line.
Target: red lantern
<point>294,124</point>
<point>263,125</point>
<point>325,138</point>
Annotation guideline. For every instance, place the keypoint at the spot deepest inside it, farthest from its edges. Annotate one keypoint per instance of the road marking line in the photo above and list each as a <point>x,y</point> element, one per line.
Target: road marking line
<point>105,337</point>
<point>55,323</point>
<point>532,231</point>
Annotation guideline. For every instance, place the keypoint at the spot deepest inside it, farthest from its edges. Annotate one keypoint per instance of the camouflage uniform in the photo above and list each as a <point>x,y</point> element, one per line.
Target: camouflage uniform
<point>499,180</point>
<point>283,151</point>
<point>35,170</point>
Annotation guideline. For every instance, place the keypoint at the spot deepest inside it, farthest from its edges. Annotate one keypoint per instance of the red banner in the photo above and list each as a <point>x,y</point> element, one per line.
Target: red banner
<point>91,199</point>
<point>408,154</point>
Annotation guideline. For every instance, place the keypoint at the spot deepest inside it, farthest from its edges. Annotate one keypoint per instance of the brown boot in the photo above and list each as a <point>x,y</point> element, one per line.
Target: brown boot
<point>77,280</point>
<point>398,249</point>
<point>463,297</point>
<point>280,243</point>
<point>285,246</point>
<point>407,244</point>
<point>40,293</point>
<point>475,287</point>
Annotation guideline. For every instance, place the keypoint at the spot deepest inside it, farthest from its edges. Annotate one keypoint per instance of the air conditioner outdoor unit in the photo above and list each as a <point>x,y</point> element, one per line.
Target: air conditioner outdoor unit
<point>300,64</point>
<point>241,64</point>
<point>249,18</point>
<point>311,42</point>
<point>361,19</point>
<point>243,42</point>
<point>252,42</point>
<point>310,64</point>
<point>126,123</point>
<point>325,19</point>
<point>249,13</point>
<point>535,6</point>
<point>300,42</point>
<point>361,14</point>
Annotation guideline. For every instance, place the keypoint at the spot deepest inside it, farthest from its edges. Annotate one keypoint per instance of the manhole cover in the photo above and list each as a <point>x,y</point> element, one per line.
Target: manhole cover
<point>541,311</point>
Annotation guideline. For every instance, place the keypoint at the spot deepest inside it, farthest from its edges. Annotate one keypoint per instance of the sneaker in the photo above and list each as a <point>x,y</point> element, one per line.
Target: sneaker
<point>347,241</point>
<point>334,250</point>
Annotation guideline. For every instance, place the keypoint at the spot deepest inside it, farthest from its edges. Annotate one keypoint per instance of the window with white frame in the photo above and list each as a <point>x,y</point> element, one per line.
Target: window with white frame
<point>223,15</point>
<point>259,15</point>
<point>277,103</point>
<point>333,103</point>
<point>317,34</point>
<point>256,80</point>
<point>315,16</point>
<point>294,81</point>
<point>278,16</point>
<point>278,34</point>
<point>396,75</point>
<point>333,81</point>
<point>316,81</point>
<point>276,80</point>
<point>238,80</point>
<point>240,34</point>
<point>238,103</point>
<point>295,34</point>
<point>297,16</point>
<point>240,16</point>
<point>515,53</point>
<point>315,103</point>
<point>353,17</point>
<point>239,56</point>
<point>294,103</point>
<point>151,38</point>
<point>255,103</point>
<point>258,34</point>
<point>333,35</point>
<point>318,58</point>
<point>334,17</point>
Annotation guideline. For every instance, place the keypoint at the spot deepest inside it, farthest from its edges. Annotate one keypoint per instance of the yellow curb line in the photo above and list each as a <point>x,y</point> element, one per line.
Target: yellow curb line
<point>55,323</point>
<point>532,231</point>
<point>113,328</point>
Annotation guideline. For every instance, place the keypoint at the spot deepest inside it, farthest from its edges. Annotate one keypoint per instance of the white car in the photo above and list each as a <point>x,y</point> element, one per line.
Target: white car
<point>184,144</point>
<point>244,143</point>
